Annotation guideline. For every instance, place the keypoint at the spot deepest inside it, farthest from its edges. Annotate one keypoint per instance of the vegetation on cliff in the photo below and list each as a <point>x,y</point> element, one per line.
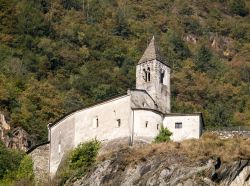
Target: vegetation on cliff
<point>15,168</point>
<point>57,56</point>
<point>78,162</point>
<point>207,160</point>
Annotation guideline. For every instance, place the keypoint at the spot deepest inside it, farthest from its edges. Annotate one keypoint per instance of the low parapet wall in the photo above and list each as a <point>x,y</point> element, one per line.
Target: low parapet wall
<point>224,134</point>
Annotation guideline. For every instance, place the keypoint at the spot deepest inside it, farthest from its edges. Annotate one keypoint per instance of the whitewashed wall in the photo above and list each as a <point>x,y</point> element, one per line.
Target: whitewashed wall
<point>191,126</point>
<point>80,126</point>
<point>152,118</point>
<point>107,113</point>
<point>62,140</point>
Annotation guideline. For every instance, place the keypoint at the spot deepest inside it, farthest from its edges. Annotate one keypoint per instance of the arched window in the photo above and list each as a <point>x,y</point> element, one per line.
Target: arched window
<point>148,77</point>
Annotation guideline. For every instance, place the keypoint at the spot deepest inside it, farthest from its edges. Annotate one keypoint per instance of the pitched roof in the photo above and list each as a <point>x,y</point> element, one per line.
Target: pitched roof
<point>152,52</point>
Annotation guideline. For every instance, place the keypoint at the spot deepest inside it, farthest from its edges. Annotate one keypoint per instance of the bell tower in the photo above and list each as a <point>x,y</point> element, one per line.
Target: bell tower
<point>153,75</point>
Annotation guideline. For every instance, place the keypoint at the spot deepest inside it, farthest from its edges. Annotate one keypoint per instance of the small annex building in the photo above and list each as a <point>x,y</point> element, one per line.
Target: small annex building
<point>136,115</point>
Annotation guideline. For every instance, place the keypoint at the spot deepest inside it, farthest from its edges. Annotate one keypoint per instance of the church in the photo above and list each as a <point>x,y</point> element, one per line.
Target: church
<point>136,115</point>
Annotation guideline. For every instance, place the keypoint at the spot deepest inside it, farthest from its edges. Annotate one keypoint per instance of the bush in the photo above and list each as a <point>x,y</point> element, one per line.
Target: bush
<point>78,162</point>
<point>163,136</point>
<point>9,160</point>
<point>238,7</point>
<point>23,175</point>
<point>84,155</point>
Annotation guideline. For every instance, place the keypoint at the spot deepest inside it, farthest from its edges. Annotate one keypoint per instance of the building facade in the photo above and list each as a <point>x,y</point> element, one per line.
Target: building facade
<point>136,115</point>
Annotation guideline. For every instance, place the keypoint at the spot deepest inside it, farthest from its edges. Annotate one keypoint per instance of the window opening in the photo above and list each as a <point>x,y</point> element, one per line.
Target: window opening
<point>178,125</point>
<point>118,122</point>
<point>162,76</point>
<point>59,147</point>
<point>146,124</point>
<point>59,144</point>
<point>148,77</point>
<point>144,75</point>
<point>95,122</point>
<point>157,126</point>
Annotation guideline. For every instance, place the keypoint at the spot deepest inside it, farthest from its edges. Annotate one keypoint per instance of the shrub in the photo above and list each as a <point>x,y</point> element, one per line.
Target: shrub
<point>9,160</point>
<point>23,175</point>
<point>163,136</point>
<point>78,161</point>
<point>192,26</point>
<point>238,7</point>
<point>25,170</point>
<point>84,155</point>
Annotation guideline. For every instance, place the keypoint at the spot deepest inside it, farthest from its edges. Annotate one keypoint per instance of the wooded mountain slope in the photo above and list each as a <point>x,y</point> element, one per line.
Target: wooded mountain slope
<point>59,55</point>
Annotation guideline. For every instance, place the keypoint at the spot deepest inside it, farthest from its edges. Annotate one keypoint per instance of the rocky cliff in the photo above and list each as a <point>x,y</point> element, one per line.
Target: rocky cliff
<point>14,138</point>
<point>209,161</point>
<point>169,171</point>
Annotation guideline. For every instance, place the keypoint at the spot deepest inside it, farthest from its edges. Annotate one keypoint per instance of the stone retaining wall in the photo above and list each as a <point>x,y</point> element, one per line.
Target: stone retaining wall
<point>40,157</point>
<point>228,134</point>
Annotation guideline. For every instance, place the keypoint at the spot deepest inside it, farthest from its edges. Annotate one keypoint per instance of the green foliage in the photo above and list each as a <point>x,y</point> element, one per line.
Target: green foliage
<point>9,160</point>
<point>84,155</point>
<point>192,26</point>
<point>121,28</point>
<point>203,59</point>
<point>25,170</point>
<point>238,7</point>
<point>78,161</point>
<point>163,136</point>
<point>75,4</point>
<point>17,168</point>
<point>178,46</point>
<point>57,56</point>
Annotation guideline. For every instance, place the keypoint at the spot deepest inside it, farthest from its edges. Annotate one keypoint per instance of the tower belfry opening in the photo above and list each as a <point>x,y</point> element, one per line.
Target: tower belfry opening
<point>153,75</point>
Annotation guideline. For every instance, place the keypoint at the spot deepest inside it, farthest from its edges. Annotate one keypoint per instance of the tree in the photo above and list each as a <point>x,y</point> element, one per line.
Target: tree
<point>178,45</point>
<point>121,25</point>
<point>203,59</point>
<point>238,7</point>
<point>9,160</point>
<point>73,4</point>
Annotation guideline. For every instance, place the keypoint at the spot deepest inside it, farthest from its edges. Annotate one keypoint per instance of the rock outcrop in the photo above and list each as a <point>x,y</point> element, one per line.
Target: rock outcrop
<point>165,172</point>
<point>156,167</point>
<point>16,138</point>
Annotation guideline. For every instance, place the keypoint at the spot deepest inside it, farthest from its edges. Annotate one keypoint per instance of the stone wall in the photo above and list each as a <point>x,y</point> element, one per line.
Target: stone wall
<point>159,91</point>
<point>40,158</point>
<point>229,134</point>
<point>146,123</point>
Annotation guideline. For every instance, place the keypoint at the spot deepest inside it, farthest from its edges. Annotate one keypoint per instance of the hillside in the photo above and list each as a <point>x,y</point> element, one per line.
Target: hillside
<point>57,56</point>
<point>208,161</point>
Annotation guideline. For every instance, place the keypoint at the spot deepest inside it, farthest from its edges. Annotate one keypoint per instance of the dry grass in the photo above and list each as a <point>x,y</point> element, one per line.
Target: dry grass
<point>211,145</point>
<point>208,146</point>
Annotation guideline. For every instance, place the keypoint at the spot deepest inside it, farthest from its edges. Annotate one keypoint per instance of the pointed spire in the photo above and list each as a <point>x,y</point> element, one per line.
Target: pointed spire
<point>152,52</point>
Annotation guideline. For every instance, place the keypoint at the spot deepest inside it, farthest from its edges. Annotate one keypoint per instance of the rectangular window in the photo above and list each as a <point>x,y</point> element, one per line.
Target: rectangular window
<point>59,148</point>
<point>118,122</point>
<point>157,126</point>
<point>146,124</point>
<point>95,122</point>
<point>178,125</point>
